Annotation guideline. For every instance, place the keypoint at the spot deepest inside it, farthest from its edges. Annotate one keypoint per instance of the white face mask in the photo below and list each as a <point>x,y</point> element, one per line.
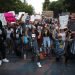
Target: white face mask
<point>33,35</point>
<point>0,31</point>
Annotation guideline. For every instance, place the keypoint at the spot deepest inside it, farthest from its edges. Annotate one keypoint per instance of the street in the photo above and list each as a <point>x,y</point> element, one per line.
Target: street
<point>18,66</point>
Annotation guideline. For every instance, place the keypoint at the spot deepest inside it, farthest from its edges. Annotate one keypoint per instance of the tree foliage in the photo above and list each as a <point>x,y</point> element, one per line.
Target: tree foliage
<point>62,6</point>
<point>70,5</point>
<point>46,5</point>
<point>15,5</point>
<point>57,6</point>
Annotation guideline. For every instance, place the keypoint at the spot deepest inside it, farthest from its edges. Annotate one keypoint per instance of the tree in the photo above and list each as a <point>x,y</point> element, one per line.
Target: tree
<point>70,5</point>
<point>16,5</point>
<point>46,5</point>
<point>57,6</point>
<point>61,6</point>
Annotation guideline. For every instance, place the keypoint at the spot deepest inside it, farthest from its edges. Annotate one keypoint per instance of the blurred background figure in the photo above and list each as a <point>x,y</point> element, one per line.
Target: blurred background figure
<point>2,46</point>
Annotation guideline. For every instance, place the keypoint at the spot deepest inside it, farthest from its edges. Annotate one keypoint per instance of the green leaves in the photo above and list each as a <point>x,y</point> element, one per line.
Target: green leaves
<point>46,5</point>
<point>15,5</point>
<point>70,5</point>
<point>61,6</point>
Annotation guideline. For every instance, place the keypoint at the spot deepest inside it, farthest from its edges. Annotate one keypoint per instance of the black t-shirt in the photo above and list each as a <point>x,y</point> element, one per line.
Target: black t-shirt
<point>46,34</point>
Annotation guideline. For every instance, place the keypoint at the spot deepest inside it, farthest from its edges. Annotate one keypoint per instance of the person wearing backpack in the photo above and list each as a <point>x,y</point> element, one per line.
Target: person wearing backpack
<point>25,40</point>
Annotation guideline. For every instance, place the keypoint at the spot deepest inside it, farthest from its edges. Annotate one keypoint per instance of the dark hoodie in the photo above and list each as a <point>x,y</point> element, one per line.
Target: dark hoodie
<point>0,24</point>
<point>2,35</point>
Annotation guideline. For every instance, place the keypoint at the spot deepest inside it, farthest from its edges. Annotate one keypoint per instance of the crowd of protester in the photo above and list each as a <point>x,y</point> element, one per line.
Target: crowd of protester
<point>43,39</point>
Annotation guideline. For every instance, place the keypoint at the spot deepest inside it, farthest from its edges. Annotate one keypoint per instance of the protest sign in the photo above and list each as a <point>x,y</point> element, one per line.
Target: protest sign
<point>19,15</point>
<point>24,16</point>
<point>32,18</point>
<point>63,20</point>
<point>9,17</point>
<point>38,17</point>
<point>48,13</point>
<point>13,12</point>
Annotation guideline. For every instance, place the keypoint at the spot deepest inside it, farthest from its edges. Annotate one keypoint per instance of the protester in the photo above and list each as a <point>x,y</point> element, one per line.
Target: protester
<point>38,35</point>
<point>59,47</point>
<point>35,47</point>
<point>8,39</point>
<point>18,44</point>
<point>2,46</point>
<point>25,39</point>
<point>46,40</point>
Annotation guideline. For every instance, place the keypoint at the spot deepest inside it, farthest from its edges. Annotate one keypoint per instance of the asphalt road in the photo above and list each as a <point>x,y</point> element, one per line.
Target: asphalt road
<point>18,66</point>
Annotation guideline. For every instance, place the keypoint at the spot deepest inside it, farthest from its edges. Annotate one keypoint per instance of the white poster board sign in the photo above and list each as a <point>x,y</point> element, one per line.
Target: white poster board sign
<point>63,20</point>
<point>24,17</point>
<point>32,18</point>
<point>38,17</point>
<point>20,14</point>
<point>2,18</point>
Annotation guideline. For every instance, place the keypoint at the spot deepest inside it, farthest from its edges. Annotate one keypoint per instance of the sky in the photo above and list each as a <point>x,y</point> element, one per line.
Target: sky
<point>37,4</point>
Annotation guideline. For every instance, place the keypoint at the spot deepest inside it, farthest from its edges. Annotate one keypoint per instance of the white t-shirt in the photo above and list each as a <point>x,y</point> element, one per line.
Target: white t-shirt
<point>17,35</point>
<point>8,33</point>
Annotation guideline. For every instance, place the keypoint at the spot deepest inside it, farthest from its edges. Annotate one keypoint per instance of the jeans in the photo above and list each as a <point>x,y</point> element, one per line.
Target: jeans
<point>59,49</point>
<point>35,51</point>
<point>46,43</point>
<point>35,46</point>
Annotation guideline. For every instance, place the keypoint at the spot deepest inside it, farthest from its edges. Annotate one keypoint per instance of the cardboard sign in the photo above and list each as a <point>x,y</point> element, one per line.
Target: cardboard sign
<point>9,17</point>
<point>63,20</point>
<point>48,13</point>
<point>2,18</point>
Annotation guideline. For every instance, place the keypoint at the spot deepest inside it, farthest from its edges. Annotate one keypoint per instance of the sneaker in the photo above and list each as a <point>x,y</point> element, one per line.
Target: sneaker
<point>0,62</point>
<point>39,65</point>
<point>5,60</point>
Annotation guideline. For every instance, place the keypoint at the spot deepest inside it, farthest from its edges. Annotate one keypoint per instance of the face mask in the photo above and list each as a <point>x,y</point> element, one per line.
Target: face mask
<point>33,35</point>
